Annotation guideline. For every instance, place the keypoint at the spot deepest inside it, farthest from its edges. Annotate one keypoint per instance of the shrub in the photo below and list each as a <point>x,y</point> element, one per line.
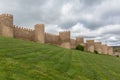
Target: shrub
<point>96,52</point>
<point>80,47</point>
<point>117,56</point>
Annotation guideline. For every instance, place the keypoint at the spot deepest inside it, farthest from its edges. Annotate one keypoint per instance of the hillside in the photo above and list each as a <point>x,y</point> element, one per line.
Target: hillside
<point>25,60</point>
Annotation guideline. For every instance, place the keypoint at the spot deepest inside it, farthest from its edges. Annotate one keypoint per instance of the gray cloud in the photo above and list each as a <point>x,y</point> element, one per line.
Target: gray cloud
<point>90,3</point>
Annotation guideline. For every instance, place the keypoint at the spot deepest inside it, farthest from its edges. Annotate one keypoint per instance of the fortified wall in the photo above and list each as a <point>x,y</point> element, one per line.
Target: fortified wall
<point>23,33</point>
<point>52,39</point>
<point>8,29</point>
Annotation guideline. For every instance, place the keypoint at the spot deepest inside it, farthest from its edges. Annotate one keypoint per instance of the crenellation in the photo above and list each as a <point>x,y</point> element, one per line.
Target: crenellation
<point>22,28</point>
<point>6,15</point>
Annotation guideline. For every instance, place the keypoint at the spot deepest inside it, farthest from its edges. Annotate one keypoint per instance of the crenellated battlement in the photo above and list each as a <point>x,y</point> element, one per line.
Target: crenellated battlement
<point>22,28</point>
<point>6,15</point>
<point>51,34</point>
<point>98,43</point>
<point>41,26</point>
<point>64,32</point>
<point>23,33</point>
<point>90,41</point>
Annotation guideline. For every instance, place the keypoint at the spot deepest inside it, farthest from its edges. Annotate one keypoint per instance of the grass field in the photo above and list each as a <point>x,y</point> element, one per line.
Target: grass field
<point>25,60</point>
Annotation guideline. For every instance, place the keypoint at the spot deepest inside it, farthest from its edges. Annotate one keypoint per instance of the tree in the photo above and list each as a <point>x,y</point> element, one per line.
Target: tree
<point>80,47</point>
<point>96,52</point>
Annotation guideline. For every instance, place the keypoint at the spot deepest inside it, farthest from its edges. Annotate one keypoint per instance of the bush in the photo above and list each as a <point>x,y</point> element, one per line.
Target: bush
<point>79,47</point>
<point>96,52</point>
<point>117,56</point>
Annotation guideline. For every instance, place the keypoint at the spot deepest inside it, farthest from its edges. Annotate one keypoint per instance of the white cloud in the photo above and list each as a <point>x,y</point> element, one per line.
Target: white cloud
<point>54,29</point>
<point>105,33</point>
<point>66,9</point>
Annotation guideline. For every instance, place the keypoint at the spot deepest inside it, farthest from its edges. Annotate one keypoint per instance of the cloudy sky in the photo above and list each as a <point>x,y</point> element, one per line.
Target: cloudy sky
<point>92,19</point>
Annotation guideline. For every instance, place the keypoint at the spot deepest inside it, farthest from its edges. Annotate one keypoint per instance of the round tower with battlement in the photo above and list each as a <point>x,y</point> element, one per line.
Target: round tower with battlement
<point>90,46</point>
<point>98,47</point>
<point>39,33</point>
<point>65,39</point>
<point>6,25</point>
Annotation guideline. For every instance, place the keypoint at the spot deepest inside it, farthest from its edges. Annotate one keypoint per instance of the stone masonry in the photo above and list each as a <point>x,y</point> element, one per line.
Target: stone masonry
<point>90,46</point>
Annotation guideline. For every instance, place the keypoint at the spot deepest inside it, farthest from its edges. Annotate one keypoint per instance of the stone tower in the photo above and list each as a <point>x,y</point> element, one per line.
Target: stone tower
<point>6,25</point>
<point>104,49</point>
<point>110,50</point>
<point>80,41</point>
<point>65,39</point>
<point>39,33</point>
<point>98,47</point>
<point>90,46</point>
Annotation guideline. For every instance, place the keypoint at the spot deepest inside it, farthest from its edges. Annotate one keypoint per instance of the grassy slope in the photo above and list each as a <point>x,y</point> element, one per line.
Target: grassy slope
<point>24,60</point>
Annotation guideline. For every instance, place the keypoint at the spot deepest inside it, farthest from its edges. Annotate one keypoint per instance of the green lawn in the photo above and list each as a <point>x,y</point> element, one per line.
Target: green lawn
<point>25,60</point>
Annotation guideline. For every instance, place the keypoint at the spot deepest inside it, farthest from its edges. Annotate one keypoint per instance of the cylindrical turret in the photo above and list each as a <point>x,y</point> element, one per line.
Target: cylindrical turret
<point>98,47</point>
<point>6,25</point>
<point>89,46</point>
<point>6,19</point>
<point>39,33</point>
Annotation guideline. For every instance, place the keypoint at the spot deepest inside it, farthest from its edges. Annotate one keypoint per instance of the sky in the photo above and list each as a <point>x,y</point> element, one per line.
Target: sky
<point>91,19</point>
